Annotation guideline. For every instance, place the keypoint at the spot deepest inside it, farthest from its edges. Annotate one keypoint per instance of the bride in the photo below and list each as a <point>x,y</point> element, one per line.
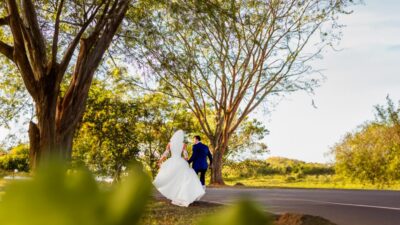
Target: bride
<point>175,179</point>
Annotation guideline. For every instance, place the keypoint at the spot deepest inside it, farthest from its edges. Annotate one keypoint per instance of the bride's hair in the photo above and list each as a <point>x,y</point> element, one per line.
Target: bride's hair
<point>177,140</point>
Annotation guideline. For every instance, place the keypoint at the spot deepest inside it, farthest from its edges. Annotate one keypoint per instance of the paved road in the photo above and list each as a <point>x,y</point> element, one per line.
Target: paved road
<point>343,207</point>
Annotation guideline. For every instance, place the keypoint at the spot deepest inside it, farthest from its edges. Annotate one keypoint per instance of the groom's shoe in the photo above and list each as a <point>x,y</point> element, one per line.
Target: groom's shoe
<point>204,187</point>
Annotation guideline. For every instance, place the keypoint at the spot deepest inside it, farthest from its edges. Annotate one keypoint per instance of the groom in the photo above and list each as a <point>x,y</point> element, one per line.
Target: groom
<point>199,159</point>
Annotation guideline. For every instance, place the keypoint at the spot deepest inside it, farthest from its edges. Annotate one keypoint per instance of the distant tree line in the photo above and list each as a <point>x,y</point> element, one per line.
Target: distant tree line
<point>276,166</point>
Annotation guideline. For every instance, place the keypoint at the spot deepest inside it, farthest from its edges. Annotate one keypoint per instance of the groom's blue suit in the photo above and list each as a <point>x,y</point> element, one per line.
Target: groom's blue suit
<point>199,159</point>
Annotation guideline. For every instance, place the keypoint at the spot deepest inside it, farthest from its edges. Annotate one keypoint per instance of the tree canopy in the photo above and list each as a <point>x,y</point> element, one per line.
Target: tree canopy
<point>227,58</point>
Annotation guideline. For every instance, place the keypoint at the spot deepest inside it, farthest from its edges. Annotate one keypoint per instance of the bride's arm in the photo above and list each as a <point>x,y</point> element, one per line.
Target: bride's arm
<point>164,155</point>
<point>185,153</point>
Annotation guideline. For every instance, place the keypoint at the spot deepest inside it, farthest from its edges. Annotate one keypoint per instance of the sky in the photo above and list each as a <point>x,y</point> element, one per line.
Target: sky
<point>359,76</point>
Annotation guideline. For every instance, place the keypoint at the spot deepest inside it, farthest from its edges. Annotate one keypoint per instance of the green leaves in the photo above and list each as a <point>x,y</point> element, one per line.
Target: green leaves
<point>244,212</point>
<point>57,197</point>
<point>127,201</point>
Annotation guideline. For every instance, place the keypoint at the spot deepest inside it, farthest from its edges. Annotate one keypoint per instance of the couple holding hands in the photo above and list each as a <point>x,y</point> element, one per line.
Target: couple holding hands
<point>176,180</point>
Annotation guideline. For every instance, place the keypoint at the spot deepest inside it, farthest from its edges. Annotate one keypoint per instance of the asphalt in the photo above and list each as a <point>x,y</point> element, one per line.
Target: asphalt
<point>343,207</point>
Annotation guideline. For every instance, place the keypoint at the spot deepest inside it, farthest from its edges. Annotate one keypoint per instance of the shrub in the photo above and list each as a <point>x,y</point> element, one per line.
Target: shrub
<point>290,179</point>
<point>370,155</point>
<point>16,159</point>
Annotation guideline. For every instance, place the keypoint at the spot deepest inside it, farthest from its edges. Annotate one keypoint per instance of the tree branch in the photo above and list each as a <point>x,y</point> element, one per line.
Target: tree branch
<point>19,53</point>
<point>54,48</point>
<point>34,35</point>
<point>5,21</point>
<point>7,50</point>
<point>72,46</point>
<point>90,55</point>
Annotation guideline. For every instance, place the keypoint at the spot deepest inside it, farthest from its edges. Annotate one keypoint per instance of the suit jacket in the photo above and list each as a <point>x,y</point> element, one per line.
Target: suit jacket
<point>199,156</point>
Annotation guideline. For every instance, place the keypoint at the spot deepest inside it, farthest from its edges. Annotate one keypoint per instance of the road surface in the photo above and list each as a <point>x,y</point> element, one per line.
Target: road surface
<point>343,207</point>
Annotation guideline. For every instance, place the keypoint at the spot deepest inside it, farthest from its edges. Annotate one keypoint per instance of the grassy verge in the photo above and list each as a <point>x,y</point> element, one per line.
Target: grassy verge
<point>324,181</point>
<point>162,212</point>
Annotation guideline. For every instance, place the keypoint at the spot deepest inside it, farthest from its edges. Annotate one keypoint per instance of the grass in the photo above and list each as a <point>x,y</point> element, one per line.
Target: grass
<point>312,181</point>
<point>2,183</point>
<point>163,213</point>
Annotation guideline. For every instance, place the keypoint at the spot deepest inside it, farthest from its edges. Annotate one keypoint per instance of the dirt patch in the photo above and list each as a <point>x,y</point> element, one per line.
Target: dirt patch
<point>205,204</point>
<point>299,219</point>
<point>218,186</point>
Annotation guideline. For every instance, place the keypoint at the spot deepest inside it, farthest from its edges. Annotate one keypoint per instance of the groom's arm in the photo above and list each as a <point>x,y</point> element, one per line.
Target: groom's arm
<point>193,155</point>
<point>209,156</point>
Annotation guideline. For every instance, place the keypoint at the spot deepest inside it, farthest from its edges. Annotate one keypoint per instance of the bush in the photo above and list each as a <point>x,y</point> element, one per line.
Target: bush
<point>370,155</point>
<point>300,175</point>
<point>16,159</point>
<point>290,179</point>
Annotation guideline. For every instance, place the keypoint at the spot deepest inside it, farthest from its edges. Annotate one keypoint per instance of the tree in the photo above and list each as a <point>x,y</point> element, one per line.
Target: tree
<point>41,38</point>
<point>389,114</point>
<point>226,58</point>
<point>15,159</point>
<point>247,139</point>
<point>371,154</point>
<point>107,139</point>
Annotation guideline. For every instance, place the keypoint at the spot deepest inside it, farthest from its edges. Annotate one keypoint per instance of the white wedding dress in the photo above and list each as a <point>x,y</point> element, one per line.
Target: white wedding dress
<point>176,180</point>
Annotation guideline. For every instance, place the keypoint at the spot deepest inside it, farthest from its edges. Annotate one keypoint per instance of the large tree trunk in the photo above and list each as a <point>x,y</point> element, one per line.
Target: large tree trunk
<point>58,118</point>
<point>65,143</point>
<point>58,115</point>
<point>34,144</point>
<point>43,135</point>
<point>216,171</point>
<point>220,147</point>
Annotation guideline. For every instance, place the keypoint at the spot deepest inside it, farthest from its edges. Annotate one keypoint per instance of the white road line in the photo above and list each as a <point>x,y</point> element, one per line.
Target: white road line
<point>339,203</point>
<point>323,202</point>
<point>364,206</point>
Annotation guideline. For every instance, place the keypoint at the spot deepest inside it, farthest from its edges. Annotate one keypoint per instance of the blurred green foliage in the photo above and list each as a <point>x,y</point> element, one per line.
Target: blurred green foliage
<point>244,212</point>
<point>58,196</point>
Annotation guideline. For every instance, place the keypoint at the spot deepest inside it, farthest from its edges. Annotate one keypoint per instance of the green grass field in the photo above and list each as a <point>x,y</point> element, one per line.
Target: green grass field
<point>162,212</point>
<point>322,181</point>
